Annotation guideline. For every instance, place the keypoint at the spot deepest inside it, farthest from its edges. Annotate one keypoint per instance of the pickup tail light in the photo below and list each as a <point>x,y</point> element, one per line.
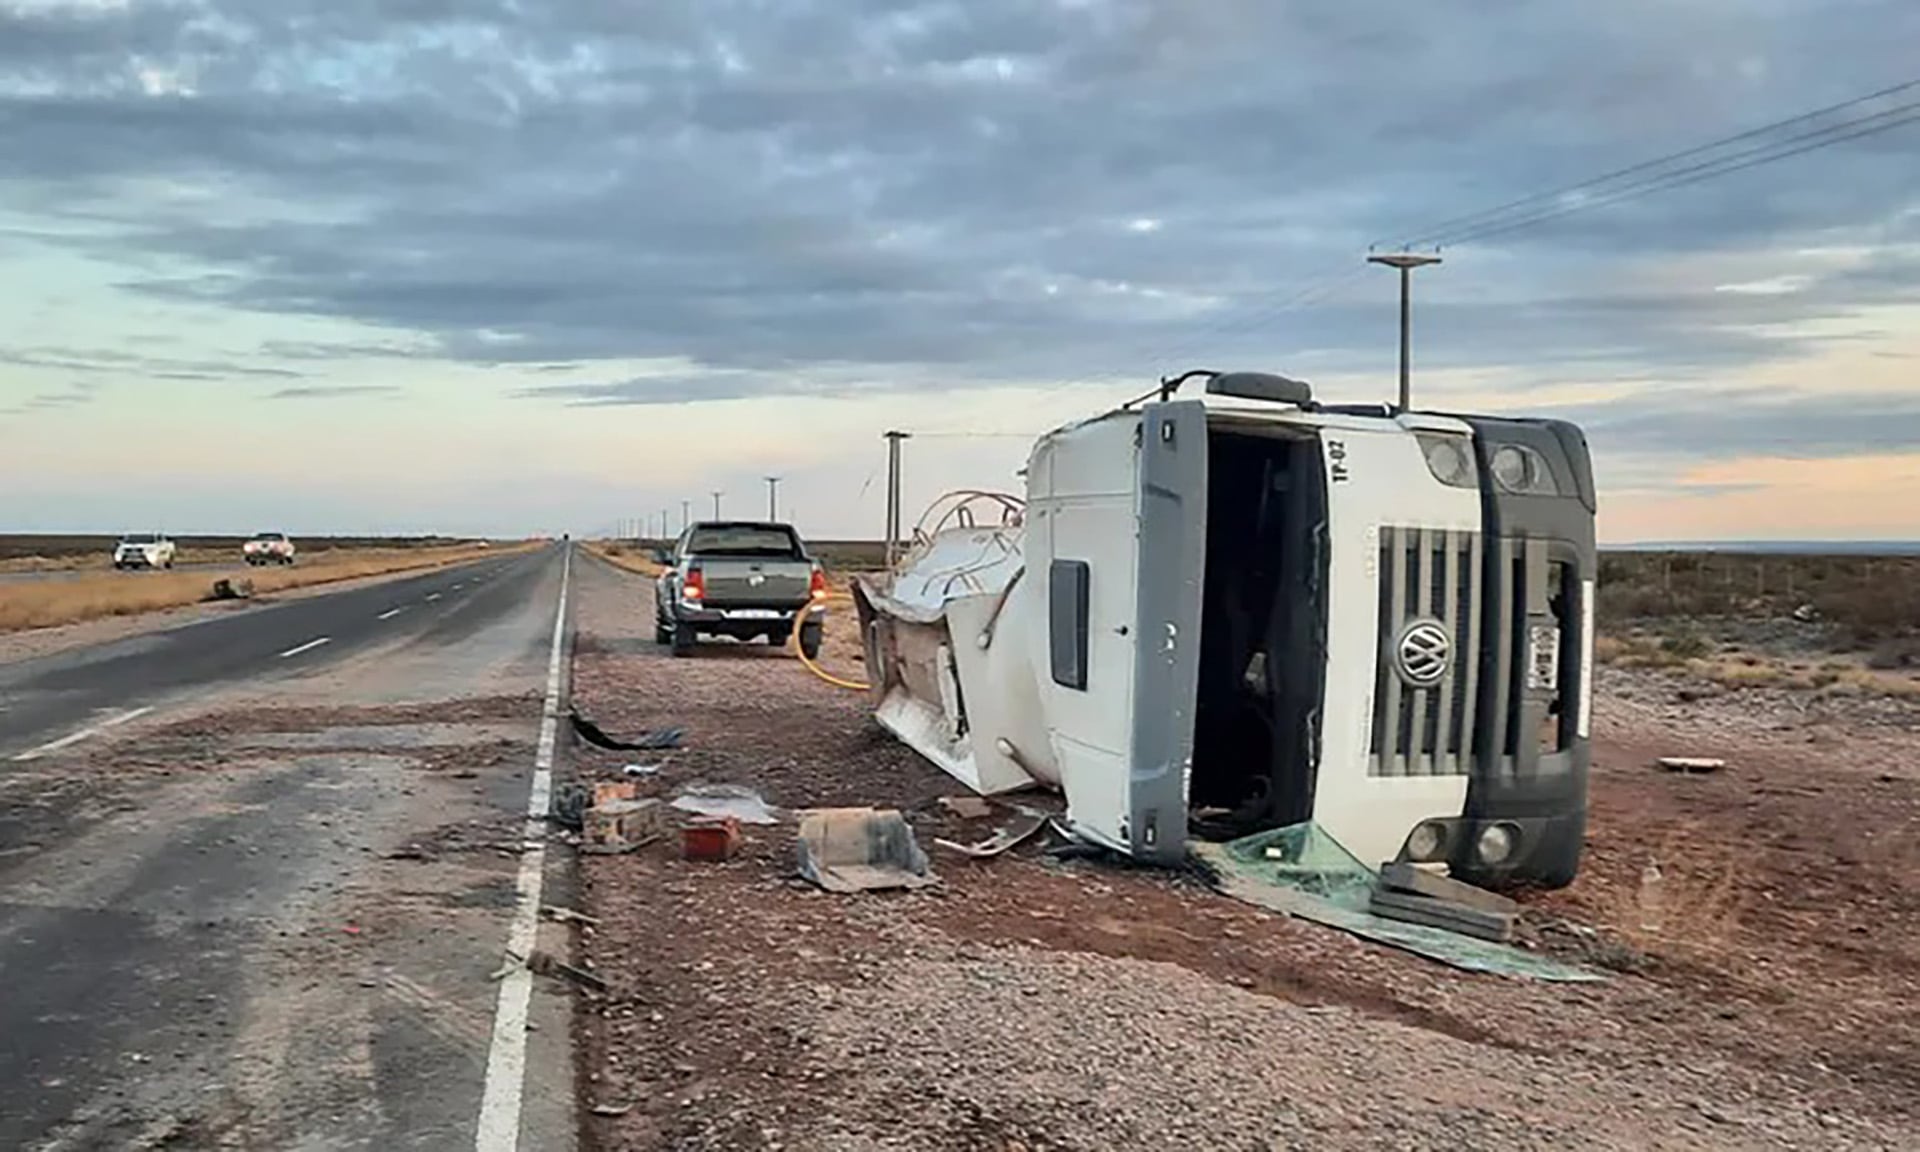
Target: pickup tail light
<point>694,587</point>
<point>818,586</point>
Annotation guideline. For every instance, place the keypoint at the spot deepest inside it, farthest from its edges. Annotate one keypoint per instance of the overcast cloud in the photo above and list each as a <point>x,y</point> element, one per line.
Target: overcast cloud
<point>827,197</point>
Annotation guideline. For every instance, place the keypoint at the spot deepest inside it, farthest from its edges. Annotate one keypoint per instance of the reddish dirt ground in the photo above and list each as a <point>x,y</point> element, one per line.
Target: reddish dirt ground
<point>1759,928</point>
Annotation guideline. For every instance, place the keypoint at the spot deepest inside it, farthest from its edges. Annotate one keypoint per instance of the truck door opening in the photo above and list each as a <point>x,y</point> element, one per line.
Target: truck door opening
<point>1262,633</point>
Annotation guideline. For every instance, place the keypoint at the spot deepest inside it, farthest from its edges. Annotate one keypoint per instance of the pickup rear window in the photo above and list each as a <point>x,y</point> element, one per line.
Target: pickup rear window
<point>744,540</point>
<point>139,538</point>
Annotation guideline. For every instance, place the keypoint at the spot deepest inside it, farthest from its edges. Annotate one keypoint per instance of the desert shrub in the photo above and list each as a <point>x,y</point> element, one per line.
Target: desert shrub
<point>1686,644</point>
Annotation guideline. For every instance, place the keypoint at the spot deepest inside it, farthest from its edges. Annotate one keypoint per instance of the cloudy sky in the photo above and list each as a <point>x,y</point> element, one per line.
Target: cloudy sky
<point>518,265</point>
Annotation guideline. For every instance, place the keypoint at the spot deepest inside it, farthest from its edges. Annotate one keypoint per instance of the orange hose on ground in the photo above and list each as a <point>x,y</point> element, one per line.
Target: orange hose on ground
<point>800,621</point>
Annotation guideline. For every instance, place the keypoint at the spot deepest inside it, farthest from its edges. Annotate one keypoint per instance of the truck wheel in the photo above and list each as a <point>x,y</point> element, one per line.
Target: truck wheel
<point>683,640</point>
<point>661,633</point>
<point>810,641</point>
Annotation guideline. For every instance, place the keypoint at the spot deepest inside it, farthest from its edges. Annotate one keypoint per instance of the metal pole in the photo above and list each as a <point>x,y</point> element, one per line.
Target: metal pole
<point>773,497</point>
<point>716,504</point>
<point>686,514</point>
<point>1406,338</point>
<point>1406,262</point>
<point>893,495</point>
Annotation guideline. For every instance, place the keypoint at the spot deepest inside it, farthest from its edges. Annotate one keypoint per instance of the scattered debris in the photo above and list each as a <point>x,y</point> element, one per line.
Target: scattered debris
<point>861,850</point>
<point>226,588</point>
<point>570,803</point>
<point>1418,881</point>
<point>743,804</point>
<point>351,929</point>
<point>1413,908</point>
<point>621,825</point>
<point>654,741</point>
<point>967,807</point>
<point>568,915</point>
<point>639,769</point>
<point>1691,765</point>
<point>611,1109</point>
<point>1317,879</point>
<point>410,852</point>
<point>1018,832</point>
<point>605,791</point>
<point>710,838</point>
<point>543,963</point>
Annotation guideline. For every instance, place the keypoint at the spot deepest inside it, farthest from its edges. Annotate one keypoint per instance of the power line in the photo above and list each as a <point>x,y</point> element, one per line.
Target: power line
<point>1541,207</point>
<point>1475,219</point>
<point>1697,173</point>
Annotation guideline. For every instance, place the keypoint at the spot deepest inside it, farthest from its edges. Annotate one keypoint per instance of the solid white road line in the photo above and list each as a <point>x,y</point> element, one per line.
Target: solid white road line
<point>499,1129</point>
<point>389,613</point>
<point>73,738</point>
<point>307,647</point>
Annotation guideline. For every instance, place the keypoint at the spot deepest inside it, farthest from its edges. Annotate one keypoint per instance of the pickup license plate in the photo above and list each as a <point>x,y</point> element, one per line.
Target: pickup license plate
<point>754,614</point>
<point>1543,657</point>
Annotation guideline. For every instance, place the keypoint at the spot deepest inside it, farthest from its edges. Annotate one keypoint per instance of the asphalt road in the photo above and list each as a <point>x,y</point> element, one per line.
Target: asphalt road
<point>54,697</point>
<point>278,926</point>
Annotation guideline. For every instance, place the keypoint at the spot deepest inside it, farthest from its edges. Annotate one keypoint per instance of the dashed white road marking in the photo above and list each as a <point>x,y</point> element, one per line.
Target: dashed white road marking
<point>499,1129</point>
<point>307,647</point>
<point>389,613</point>
<point>432,596</point>
<point>73,738</point>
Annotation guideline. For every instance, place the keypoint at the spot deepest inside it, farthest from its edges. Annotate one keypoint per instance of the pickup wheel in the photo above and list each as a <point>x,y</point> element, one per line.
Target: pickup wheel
<point>683,640</point>
<point>810,641</point>
<point>661,633</point>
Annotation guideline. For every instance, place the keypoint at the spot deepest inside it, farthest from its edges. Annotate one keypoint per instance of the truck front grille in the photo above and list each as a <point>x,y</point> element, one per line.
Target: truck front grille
<point>1424,726</point>
<point>1481,709</point>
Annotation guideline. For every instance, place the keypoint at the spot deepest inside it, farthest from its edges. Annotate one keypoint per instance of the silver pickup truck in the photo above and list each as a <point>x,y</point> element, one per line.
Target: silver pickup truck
<point>744,579</point>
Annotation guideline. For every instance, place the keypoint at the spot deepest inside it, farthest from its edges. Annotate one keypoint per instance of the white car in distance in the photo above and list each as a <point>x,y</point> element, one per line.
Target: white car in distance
<point>143,550</point>
<point>267,548</point>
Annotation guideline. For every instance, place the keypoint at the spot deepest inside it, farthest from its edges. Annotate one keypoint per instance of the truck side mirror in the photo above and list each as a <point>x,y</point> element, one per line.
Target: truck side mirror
<point>663,556</point>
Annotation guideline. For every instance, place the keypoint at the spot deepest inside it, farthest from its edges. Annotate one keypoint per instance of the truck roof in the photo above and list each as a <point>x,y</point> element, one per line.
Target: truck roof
<point>775,524</point>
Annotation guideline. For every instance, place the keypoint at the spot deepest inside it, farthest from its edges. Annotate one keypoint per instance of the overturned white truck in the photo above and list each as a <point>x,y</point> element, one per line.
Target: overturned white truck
<point>1215,617</point>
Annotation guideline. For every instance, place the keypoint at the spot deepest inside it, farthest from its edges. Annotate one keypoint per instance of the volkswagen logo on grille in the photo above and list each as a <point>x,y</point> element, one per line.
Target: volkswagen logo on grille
<point>1423,653</point>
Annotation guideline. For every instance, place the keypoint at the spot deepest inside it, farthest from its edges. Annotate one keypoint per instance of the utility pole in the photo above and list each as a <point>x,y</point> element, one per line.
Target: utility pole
<point>773,497</point>
<point>893,440</point>
<point>686,514</point>
<point>664,530</point>
<point>716,504</point>
<point>1406,262</point>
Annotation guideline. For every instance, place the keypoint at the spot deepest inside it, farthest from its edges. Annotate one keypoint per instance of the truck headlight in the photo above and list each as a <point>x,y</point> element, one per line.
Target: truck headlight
<point>1495,844</point>
<point>1523,471</point>
<point>1448,458</point>
<point>1427,842</point>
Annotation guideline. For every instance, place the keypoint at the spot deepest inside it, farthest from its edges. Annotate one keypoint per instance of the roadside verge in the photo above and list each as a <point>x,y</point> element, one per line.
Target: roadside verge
<point>54,603</point>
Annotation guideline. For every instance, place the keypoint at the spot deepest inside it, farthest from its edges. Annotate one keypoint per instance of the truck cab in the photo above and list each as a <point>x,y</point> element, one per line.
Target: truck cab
<point>1249,611</point>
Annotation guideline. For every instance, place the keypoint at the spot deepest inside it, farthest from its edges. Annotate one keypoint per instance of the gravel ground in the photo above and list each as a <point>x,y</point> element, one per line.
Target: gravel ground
<point>1762,992</point>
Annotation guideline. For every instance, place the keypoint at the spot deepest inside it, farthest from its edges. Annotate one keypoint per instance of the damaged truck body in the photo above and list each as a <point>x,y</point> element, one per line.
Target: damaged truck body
<point>1214,617</point>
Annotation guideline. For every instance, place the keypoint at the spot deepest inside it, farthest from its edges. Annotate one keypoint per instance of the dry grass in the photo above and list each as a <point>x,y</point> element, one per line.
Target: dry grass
<point>79,561</point>
<point>628,556</point>
<point>1681,652</point>
<point>56,602</point>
